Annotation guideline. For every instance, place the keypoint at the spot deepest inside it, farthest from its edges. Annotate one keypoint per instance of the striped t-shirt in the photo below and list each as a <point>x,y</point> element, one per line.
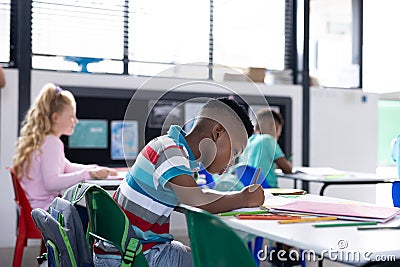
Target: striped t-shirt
<point>144,196</point>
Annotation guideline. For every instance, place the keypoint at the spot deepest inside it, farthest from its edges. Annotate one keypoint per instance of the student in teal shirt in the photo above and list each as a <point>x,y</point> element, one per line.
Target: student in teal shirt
<point>263,150</point>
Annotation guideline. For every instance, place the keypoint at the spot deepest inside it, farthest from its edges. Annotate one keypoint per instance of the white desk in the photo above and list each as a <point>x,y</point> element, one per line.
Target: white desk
<point>107,184</point>
<point>372,243</point>
<point>344,243</point>
<point>345,179</point>
<point>110,183</point>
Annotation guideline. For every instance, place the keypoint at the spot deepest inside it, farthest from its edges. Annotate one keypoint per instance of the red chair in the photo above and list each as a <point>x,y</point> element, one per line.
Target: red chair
<point>26,227</point>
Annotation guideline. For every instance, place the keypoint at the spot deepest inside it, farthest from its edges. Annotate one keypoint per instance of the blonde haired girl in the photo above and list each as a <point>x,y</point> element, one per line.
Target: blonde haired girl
<point>40,162</point>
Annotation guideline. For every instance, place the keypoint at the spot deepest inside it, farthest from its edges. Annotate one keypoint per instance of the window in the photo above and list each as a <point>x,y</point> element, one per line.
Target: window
<point>175,38</point>
<point>73,35</point>
<point>249,34</point>
<point>381,44</point>
<point>333,61</point>
<point>165,34</point>
<point>5,30</point>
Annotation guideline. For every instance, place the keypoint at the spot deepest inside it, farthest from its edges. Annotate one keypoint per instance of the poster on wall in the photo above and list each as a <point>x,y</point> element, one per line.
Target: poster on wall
<point>90,134</point>
<point>164,113</point>
<point>124,139</point>
<point>191,111</point>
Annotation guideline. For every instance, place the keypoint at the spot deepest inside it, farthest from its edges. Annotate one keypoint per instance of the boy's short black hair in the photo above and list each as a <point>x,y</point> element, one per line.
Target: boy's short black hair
<point>241,112</point>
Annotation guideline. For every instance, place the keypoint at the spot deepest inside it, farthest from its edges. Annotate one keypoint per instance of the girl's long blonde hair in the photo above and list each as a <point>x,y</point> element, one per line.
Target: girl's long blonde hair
<point>37,124</point>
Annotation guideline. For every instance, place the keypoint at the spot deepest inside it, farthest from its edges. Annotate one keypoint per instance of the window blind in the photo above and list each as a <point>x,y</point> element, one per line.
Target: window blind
<point>148,37</point>
<point>88,29</point>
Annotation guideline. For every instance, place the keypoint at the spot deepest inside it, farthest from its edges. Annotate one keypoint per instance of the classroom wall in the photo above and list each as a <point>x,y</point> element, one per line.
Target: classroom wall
<point>343,135</point>
<point>8,136</point>
<point>343,126</point>
<point>321,154</point>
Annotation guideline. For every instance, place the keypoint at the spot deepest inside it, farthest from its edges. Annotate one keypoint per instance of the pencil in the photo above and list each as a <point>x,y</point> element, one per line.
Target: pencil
<point>256,176</point>
<point>266,217</point>
<point>322,225</point>
<point>305,220</point>
<point>234,213</point>
<point>379,228</point>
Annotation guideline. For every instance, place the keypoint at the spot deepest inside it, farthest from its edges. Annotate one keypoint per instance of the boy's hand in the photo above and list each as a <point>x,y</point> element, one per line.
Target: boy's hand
<point>253,195</point>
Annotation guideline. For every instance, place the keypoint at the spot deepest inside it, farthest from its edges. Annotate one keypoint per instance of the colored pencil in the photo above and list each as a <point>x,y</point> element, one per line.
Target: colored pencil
<point>234,213</point>
<point>323,225</point>
<point>256,176</point>
<point>266,217</point>
<point>305,220</point>
<point>379,228</point>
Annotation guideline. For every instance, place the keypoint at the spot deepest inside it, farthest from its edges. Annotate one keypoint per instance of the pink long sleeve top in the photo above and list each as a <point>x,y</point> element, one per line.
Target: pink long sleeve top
<point>50,172</point>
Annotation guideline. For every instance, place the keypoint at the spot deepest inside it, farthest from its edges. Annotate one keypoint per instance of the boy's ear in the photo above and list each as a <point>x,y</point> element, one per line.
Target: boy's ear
<point>217,131</point>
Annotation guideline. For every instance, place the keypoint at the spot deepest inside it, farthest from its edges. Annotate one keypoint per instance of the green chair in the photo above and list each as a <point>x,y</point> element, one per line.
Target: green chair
<point>109,223</point>
<point>213,243</point>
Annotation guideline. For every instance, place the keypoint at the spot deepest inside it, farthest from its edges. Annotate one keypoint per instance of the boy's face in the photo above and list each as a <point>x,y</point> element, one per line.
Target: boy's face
<point>229,145</point>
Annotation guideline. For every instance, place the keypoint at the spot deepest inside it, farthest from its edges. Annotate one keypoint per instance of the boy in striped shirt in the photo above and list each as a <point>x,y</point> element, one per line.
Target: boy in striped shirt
<point>164,175</point>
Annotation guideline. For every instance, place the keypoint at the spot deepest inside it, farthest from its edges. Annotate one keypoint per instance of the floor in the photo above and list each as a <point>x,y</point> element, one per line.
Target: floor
<point>28,260</point>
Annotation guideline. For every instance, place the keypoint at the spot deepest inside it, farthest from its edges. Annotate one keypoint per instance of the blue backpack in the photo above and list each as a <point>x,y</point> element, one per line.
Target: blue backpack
<point>63,233</point>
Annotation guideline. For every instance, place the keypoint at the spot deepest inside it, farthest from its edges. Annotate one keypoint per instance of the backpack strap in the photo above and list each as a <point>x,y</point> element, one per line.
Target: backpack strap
<point>59,217</point>
<point>129,245</point>
<point>131,251</point>
<point>76,193</point>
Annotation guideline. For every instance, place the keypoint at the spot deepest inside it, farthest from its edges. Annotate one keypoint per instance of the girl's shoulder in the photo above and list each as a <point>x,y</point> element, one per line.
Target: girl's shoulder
<point>52,140</point>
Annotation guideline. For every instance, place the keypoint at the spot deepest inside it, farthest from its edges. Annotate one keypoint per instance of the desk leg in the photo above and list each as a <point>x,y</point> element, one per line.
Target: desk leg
<point>324,186</point>
<point>305,185</point>
<point>295,183</point>
<point>320,262</point>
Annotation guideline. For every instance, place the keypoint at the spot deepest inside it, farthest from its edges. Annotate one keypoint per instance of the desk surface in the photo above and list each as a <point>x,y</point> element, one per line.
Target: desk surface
<point>342,244</point>
<point>335,177</point>
<point>350,177</point>
<point>110,183</point>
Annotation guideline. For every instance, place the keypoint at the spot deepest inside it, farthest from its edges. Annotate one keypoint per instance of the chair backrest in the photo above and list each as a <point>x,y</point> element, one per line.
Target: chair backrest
<point>246,173</point>
<point>396,185</point>
<point>25,222</point>
<point>396,194</point>
<point>208,238</point>
<point>109,223</point>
